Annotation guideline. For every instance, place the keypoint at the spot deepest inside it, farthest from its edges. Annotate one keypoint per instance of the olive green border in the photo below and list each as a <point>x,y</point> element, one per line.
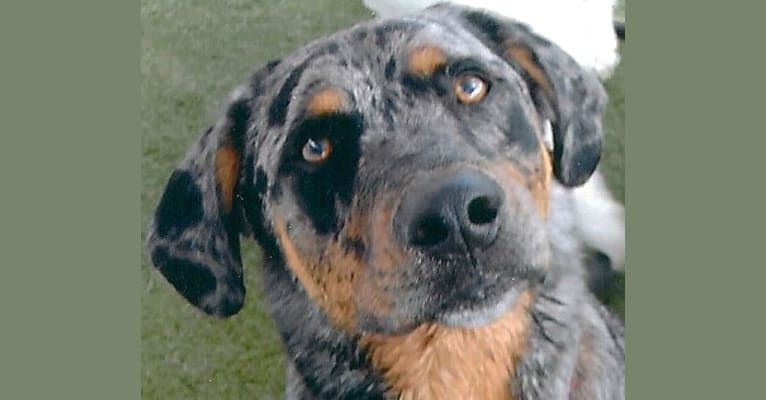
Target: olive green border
<point>694,321</point>
<point>70,211</point>
<point>70,153</point>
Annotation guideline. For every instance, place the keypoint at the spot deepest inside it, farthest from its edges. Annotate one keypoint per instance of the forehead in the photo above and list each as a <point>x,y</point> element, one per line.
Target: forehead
<point>363,64</point>
<point>360,58</point>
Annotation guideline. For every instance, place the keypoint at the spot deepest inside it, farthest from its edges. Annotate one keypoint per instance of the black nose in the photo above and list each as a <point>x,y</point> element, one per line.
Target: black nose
<point>450,214</point>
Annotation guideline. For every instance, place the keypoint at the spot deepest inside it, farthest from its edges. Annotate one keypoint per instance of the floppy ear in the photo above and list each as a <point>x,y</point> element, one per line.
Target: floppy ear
<point>194,237</point>
<point>565,93</point>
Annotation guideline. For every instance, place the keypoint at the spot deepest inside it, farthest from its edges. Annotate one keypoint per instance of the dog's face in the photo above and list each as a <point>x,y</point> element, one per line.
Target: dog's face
<point>397,169</point>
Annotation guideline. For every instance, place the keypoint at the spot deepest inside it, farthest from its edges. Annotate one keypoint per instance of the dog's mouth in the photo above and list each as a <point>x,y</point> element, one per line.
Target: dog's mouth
<point>474,291</point>
<point>481,314</point>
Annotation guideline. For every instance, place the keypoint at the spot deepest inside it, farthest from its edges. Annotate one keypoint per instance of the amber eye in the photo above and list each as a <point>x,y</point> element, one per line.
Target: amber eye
<point>470,88</point>
<point>316,151</point>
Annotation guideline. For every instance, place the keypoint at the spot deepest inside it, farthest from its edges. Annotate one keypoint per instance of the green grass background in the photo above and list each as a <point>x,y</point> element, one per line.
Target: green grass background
<point>192,53</point>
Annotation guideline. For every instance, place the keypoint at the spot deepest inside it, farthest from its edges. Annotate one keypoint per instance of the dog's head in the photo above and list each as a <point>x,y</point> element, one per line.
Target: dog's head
<point>397,169</point>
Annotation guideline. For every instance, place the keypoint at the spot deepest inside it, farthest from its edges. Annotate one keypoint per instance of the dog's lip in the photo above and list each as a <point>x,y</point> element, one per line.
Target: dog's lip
<point>482,316</point>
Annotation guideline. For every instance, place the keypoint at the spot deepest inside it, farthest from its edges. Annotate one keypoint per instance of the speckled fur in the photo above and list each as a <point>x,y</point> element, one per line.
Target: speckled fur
<point>335,269</point>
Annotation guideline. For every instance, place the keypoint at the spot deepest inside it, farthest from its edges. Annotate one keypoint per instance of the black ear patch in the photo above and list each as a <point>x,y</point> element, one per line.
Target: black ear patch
<point>192,279</point>
<point>180,206</point>
<point>565,93</point>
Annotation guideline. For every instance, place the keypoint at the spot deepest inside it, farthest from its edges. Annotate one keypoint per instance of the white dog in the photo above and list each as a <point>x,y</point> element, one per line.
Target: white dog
<point>585,29</point>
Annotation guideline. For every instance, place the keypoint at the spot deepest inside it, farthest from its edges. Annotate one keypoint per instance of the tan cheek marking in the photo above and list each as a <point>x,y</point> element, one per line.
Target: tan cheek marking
<point>538,183</point>
<point>340,282</point>
<point>438,362</point>
<point>424,61</point>
<point>339,274</point>
<point>541,187</point>
<point>383,258</point>
<point>328,281</point>
<point>525,58</point>
<point>227,170</point>
<point>327,101</point>
<point>386,255</point>
<point>294,259</point>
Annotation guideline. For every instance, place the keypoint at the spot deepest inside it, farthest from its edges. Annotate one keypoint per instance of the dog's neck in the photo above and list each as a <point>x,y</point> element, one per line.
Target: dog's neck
<point>433,361</point>
<point>439,362</point>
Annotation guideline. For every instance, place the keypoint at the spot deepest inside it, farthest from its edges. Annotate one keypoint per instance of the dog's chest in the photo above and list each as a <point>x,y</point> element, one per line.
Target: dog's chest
<point>436,362</point>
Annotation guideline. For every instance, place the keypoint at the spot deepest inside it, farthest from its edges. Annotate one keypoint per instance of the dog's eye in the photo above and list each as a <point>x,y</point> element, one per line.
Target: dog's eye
<point>316,151</point>
<point>470,88</point>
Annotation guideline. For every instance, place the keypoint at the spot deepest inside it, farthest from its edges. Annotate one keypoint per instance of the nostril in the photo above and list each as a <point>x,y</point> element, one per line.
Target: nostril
<point>482,210</point>
<point>429,231</point>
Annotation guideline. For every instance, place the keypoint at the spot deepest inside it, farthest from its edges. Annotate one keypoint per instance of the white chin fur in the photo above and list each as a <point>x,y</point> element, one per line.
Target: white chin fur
<point>482,316</point>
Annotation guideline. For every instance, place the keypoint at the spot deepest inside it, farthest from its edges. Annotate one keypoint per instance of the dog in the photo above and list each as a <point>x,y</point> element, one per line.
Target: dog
<point>396,178</point>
